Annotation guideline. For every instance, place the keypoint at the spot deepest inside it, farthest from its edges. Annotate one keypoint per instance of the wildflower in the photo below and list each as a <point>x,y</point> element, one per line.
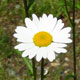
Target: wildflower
<point>43,37</point>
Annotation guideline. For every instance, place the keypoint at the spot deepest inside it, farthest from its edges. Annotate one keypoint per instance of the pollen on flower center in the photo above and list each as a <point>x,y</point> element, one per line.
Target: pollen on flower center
<point>42,39</point>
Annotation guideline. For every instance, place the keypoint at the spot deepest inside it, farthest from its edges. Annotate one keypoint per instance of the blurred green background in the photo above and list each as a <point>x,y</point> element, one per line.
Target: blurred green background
<point>12,14</point>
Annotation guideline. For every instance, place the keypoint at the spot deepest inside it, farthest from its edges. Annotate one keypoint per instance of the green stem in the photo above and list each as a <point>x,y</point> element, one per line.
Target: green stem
<point>26,7</point>
<point>67,12</point>
<point>34,68</point>
<point>42,69</point>
<point>74,46</point>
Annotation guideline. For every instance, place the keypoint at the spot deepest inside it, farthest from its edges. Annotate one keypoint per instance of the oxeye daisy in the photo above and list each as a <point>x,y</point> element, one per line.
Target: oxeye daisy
<point>42,37</point>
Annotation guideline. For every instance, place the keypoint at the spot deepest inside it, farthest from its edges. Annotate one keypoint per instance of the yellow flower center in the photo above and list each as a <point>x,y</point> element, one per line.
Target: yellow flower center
<point>42,39</point>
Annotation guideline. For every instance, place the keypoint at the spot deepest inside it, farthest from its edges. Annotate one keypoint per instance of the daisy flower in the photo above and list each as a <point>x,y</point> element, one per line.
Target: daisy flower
<point>42,37</point>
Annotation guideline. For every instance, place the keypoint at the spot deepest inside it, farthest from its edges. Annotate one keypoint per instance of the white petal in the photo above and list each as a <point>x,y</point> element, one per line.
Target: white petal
<point>30,52</point>
<point>23,31</point>
<point>51,55</point>
<point>33,52</point>
<point>50,16</point>
<point>20,29</point>
<point>25,54</point>
<point>24,46</point>
<point>39,56</point>
<point>59,26</point>
<point>58,48</point>
<point>52,22</point>
<point>62,40</point>
<point>30,24</point>
<point>61,37</point>
<point>42,52</point>
<point>47,23</point>
<point>58,45</point>
<point>24,34</point>
<point>23,38</point>
<point>65,30</point>
<point>35,19</point>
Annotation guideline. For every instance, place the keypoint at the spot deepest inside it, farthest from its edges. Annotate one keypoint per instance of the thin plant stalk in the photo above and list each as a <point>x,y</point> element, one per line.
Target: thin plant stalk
<point>34,68</point>
<point>73,25</point>
<point>42,69</point>
<point>67,12</point>
<point>26,7</point>
<point>33,60</point>
<point>74,46</point>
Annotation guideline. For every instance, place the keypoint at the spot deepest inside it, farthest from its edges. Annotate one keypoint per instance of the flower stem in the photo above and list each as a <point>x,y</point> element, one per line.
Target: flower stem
<point>34,68</point>
<point>26,7</point>
<point>33,60</point>
<point>74,46</point>
<point>65,2</point>
<point>42,69</point>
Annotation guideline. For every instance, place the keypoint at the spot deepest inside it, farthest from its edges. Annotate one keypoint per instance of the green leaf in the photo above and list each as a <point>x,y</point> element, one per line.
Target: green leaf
<point>28,64</point>
<point>69,76</point>
<point>30,3</point>
<point>77,4</point>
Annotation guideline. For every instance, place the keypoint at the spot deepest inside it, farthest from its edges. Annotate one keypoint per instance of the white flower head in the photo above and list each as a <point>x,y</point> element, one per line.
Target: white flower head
<point>43,37</point>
